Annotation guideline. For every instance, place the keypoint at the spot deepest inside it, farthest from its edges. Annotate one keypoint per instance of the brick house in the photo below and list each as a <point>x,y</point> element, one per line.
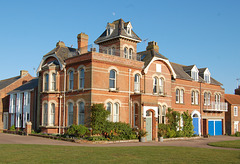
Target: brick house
<point>6,86</point>
<point>136,87</point>
<point>23,105</point>
<point>232,116</point>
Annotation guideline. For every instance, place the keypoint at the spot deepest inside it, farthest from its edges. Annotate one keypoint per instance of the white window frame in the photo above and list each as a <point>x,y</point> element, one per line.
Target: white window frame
<point>109,108</point>
<point>196,97</point>
<point>181,96</point>
<point>161,86</point>
<point>137,83</point>
<point>177,95</point>
<point>155,85</point>
<point>126,52</point>
<point>45,114</point>
<point>112,79</point>
<point>46,81</point>
<point>52,114</point>
<point>53,81</point>
<point>158,68</point>
<point>115,112</point>
<point>81,113</point>
<point>235,111</point>
<point>193,97</point>
<point>81,78</point>
<point>70,114</point>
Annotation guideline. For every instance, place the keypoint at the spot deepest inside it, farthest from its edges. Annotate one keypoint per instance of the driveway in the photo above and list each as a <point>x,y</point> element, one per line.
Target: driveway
<point>201,143</point>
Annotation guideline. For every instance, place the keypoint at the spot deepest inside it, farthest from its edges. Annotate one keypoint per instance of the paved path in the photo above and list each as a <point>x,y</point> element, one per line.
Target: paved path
<point>201,143</point>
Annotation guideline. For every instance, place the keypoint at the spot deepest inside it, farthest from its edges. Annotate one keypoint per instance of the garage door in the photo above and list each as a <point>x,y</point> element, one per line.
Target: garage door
<point>215,127</point>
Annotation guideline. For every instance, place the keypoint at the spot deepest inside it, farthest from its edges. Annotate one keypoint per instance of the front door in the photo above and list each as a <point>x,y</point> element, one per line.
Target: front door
<point>149,126</point>
<point>196,124</point>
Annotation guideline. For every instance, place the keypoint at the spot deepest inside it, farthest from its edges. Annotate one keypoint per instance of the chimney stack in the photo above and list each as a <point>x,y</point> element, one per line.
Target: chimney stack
<point>82,42</point>
<point>23,73</point>
<point>60,43</point>
<point>153,46</point>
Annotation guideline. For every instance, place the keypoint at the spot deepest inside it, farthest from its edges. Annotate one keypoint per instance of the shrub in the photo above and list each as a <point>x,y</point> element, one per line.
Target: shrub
<point>237,134</point>
<point>187,125</point>
<point>98,118</point>
<point>12,128</point>
<point>77,131</point>
<point>162,130</point>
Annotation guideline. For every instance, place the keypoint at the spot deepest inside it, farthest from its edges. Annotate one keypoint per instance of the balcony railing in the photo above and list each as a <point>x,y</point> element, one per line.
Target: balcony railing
<point>216,106</point>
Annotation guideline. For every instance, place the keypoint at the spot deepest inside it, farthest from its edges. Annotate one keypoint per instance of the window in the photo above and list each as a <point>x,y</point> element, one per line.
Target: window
<point>81,78</point>
<point>71,80</point>
<point>177,96</point>
<point>137,83</point>
<point>209,98</point>
<point>70,113</point>
<point>235,126</point>
<point>109,51</point>
<point>130,53</point>
<point>112,79</point>
<point>113,51</point>
<point>155,81</point>
<point>108,31</point>
<point>163,113</point>
<point>109,109</point>
<point>161,86</point>
<point>192,97</point>
<point>235,111</point>
<point>52,115</point>
<point>205,98</point>
<point>46,82</point>
<point>53,81</point>
<point>181,95</point>
<point>45,114</point>
<point>194,73</point>
<point>81,113</point>
<point>158,68</point>
<point>159,114</point>
<point>116,112</point>
<point>126,52</point>
<point>128,30</point>
<point>196,97</point>
<point>207,78</point>
<point>136,122</point>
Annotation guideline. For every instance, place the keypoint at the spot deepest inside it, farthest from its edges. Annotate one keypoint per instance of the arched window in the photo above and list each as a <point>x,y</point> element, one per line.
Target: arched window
<point>53,81</point>
<point>81,113</point>
<point>71,80</point>
<point>112,79</point>
<point>193,97</point>
<point>70,113</point>
<point>109,51</point>
<point>164,108</point>
<point>155,81</point>
<point>196,97</point>
<point>126,52</point>
<point>177,96</point>
<point>209,98</point>
<point>45,114</point>
<point>109,109</point>
<point>181,95</point>
<point>113,51</point>
<point>137,83</point>
<point>130,53</point>
<point>136,122</point>
<point>205,98</point>
<point>161,86</point>
<point>116,112</point>
<point>81,78</point>
<point>52,115</point>
<point>159,114</point>
<point>46,82</point>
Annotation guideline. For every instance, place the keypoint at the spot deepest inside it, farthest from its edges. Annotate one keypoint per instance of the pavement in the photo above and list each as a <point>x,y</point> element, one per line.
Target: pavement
<point>201,142</point>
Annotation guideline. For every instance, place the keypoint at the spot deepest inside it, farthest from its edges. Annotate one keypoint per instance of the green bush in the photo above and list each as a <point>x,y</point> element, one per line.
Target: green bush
<point>12,128</point>
<point>98,118</point>
<point>237,134</point>
<point>187,125</point>
<point>77,131</point>
<point>162,130</point>
<point>96,138</point>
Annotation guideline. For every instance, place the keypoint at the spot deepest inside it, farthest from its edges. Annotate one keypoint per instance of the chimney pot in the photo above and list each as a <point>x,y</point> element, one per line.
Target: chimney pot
<point>82,42</point>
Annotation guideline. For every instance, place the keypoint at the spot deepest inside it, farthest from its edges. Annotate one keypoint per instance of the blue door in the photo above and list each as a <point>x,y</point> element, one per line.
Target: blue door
<point>211,128</point>
<point>218,127</point>
<point>196,126</point>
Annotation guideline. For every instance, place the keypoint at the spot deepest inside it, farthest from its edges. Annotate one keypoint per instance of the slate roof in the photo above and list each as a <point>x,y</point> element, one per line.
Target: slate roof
<point>147,56</point>
<point>117,32</point>
<point>232,99</point>
<point>63,53</point>
<point>181,72</point>
<point>6,82</point>
<point>27,86</point>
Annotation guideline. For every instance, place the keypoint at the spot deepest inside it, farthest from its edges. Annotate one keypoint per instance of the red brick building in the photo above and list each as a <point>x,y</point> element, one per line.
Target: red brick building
<point>6,86</point>
<point>136,87</point>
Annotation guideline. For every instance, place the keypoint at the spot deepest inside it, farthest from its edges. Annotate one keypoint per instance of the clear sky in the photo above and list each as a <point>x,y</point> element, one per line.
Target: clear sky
<point>201,32</point>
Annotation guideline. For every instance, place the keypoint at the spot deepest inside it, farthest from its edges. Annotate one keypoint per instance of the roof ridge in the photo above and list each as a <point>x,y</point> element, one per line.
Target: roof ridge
<point>9,78</point>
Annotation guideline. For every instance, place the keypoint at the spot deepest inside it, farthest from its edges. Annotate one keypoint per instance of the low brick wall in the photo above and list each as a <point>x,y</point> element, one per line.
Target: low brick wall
<point>182,138</point>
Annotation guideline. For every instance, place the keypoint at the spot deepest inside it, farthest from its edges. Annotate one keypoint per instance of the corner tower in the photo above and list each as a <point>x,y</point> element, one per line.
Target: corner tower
<point>119,39</point>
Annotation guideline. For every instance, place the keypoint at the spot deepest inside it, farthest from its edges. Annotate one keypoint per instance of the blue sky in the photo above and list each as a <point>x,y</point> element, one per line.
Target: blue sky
<point>201,32</point>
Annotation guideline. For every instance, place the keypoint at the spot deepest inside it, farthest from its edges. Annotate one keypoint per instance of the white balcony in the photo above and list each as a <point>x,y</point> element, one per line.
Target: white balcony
<point>216,106</point>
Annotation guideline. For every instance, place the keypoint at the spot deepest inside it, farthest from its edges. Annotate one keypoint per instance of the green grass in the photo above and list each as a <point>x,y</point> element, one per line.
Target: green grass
<point>228,144</point>
<point>67,154</point>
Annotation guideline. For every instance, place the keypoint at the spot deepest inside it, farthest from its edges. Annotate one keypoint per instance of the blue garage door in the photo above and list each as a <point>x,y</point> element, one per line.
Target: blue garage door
<point>195,124</point>
<point>211,128</point>
<point>218,127</point>
<point>215,127</point>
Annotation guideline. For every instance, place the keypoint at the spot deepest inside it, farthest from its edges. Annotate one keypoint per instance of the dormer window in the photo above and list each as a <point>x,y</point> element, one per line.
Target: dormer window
<point>109,29</point>
<point>128,28</point>
<point>207,76</point>
<point>194,73</point>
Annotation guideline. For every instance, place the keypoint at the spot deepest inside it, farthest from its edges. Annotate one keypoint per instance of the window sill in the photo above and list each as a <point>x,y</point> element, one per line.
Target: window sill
<point>113,89</point>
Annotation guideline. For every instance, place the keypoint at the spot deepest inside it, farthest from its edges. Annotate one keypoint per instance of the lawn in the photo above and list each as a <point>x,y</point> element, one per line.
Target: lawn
<point>229,144</point>
<point>67,154</point>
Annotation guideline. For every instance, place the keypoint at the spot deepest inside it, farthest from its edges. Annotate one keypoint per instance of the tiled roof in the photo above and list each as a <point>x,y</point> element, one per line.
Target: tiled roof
<point>232,99</point>
<point>117,32</point>
<point>27,86</point>
<point>147,56</point>
<point>4,83</point>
